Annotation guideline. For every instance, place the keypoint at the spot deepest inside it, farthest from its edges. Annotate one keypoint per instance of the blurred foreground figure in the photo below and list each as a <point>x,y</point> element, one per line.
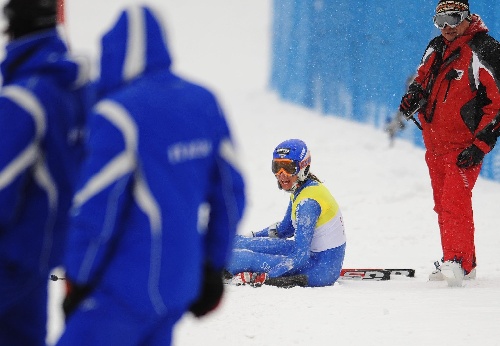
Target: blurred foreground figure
<point>41,119</point>
<point>457,94</point>
<point>313,219</point>
<point>159,199</point>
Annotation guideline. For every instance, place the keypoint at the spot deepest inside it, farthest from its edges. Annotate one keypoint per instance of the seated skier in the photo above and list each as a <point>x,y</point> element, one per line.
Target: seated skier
<point>307,247</point>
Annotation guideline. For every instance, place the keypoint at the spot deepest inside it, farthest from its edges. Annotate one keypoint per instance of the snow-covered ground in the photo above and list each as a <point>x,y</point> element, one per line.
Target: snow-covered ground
<point>384,194</point>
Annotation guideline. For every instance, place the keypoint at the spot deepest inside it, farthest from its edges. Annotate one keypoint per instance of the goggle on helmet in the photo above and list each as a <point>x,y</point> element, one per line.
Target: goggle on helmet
<point>293,158</point>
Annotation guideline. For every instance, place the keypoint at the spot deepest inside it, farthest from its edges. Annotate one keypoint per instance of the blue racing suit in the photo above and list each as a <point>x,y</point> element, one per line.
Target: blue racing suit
<point>160,193</point>
<point>41,122</point>
<point>314,220</point>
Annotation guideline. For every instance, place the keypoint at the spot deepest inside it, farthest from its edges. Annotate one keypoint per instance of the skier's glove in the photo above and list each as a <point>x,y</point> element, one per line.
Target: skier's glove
<point>75,294</point>
<point>470,156</point>
<point>413,100</point>
<point>273,230</point>
<point>210,294</point>
<point>25,17</point>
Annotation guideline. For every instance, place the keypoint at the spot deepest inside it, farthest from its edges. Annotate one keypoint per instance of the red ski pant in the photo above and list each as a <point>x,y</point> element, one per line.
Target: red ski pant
<point>452,189</point>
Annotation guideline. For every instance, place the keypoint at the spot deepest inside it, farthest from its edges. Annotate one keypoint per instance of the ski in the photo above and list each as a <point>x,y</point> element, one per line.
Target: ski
<point>287,281</point>
<point>375,274</point>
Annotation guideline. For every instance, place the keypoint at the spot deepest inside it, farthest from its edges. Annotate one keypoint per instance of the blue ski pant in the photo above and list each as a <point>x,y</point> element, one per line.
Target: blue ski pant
<point>262,254</point>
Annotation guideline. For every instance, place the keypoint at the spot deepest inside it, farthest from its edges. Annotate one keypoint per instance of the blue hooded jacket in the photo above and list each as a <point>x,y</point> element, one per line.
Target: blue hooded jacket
<point>41,120</point>
<point>160,192</point>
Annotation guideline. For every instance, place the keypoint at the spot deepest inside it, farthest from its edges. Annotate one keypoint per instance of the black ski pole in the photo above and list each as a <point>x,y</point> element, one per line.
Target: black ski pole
<point>416,122</point>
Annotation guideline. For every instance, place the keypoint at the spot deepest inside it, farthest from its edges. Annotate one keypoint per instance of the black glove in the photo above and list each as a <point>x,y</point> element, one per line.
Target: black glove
<point>210,294</point>
<point>470,156</point>
<point>27,16</point>
<point>412,100</point>
<point>75,294</point>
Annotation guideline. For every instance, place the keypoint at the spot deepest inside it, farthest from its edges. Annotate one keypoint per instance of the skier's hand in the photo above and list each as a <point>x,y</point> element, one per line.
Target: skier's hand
<point>470,156</point>
<point>211,292</point>
<point>75,294</point>
<point>411,101</point>
<point>273,230</point>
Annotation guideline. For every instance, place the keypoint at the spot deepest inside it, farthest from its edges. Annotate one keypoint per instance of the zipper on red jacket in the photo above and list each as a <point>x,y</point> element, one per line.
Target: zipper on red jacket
<point>453,56</point>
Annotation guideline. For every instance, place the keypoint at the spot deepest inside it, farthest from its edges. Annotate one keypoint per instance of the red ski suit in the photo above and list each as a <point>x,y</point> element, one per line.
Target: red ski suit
<point>464,98</point>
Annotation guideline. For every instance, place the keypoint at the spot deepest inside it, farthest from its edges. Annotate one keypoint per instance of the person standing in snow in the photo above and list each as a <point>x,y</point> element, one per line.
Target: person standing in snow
<point>398,121</point>
<point>159,198</point>
<point>42,114</point>
<point>457,94</point>
<point>313,218</point>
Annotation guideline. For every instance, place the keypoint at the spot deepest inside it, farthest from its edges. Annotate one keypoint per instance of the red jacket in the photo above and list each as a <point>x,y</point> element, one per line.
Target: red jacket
<point>465,96</point>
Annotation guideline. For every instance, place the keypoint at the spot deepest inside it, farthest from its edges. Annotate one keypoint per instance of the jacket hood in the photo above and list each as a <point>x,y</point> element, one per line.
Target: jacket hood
<point>134,46</point>
<point>42,53</point>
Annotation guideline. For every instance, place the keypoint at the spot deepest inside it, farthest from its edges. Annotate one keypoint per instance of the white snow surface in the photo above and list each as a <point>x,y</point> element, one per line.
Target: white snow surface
<point>384,194</point>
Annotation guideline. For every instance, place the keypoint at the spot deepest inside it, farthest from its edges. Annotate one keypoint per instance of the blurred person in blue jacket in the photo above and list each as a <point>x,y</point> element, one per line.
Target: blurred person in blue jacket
<point>41,120</point>
<point>307,247</point>
<point>159,199</point>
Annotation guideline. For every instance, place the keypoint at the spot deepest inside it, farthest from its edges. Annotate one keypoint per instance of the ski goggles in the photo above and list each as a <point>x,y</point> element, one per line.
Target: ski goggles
<point>288,166</point>
<point>452,19</point>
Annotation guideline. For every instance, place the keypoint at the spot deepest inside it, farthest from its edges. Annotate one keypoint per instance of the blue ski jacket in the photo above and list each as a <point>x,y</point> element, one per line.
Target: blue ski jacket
<point>41,120</point>
<point>160,192</point>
